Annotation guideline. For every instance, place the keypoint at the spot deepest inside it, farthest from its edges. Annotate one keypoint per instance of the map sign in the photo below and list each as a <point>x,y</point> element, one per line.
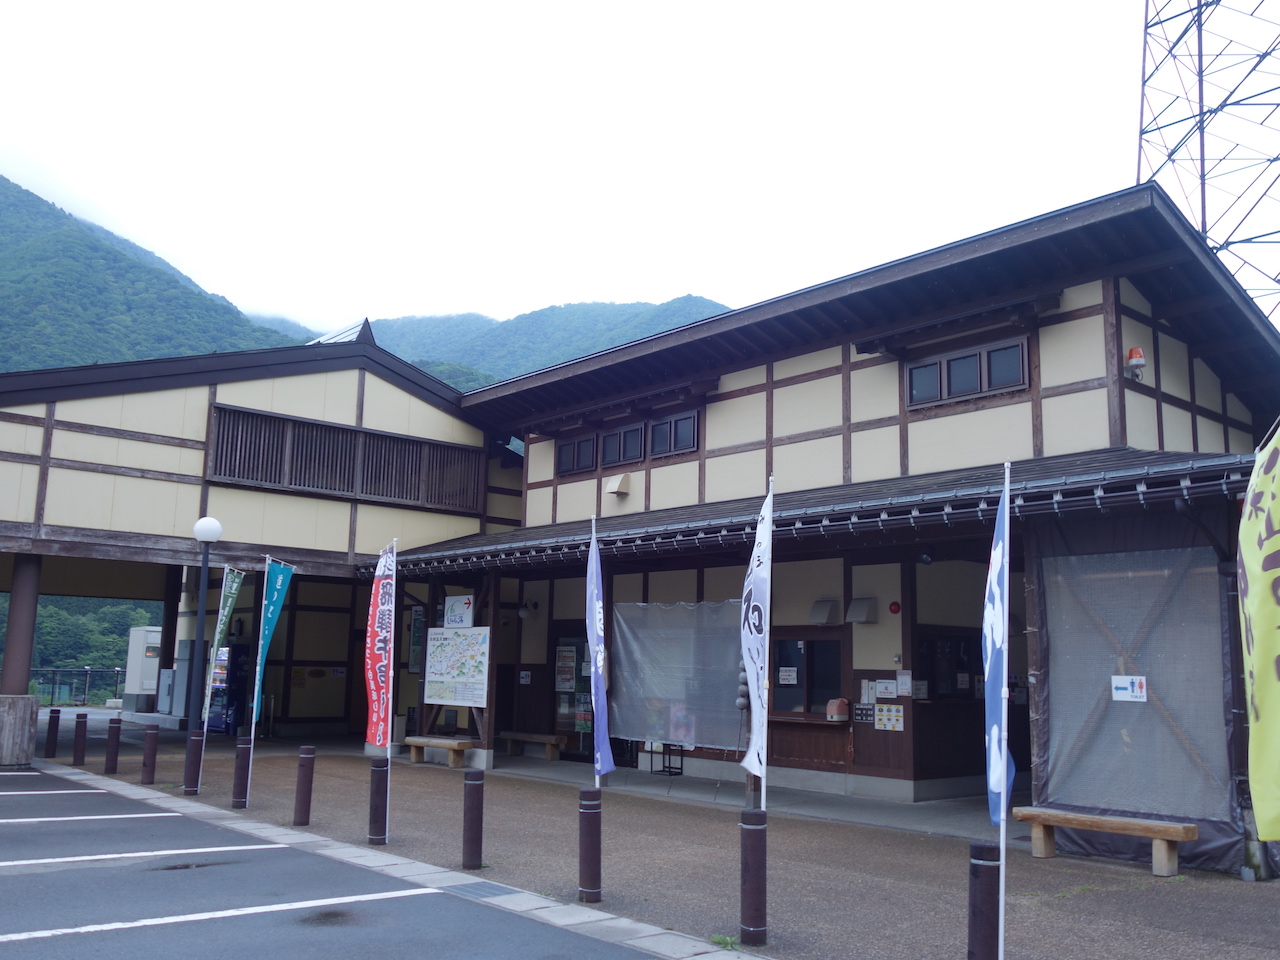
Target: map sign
<point>457,670</point>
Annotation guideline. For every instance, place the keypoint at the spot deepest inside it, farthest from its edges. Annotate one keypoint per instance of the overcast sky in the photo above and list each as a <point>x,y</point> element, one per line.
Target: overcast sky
<point>328,162</point>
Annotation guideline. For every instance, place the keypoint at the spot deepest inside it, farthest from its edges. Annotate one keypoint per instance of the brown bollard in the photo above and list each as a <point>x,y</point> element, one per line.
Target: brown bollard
<point>984,901</point>
<point>150,741</point>
<point>753,928</point>
<point>379,782</point>
<point>112,759</point>
<point>473,820</point>
<point>81,739</point>
<point>302,793</point>
<point>589,811</point>
<point>195,759</point>
<point>240,782</point>
<point>51,734</point>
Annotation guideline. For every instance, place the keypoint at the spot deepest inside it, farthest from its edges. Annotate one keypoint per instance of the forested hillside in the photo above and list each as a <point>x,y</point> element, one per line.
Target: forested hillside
<point>531,341</point>
<point>73,293</point>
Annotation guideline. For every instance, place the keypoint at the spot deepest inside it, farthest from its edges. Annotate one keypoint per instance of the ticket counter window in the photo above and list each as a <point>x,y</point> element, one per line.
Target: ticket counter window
<point>805,674</point>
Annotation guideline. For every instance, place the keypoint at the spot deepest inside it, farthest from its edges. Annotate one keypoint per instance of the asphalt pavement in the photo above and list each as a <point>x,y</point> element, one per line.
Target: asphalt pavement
<point>847,877</point>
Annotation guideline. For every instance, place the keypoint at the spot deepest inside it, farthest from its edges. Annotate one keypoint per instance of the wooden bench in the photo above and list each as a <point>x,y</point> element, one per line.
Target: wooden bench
<point>457,749</point>
<point>516,742</point>
<point>1164,834</point>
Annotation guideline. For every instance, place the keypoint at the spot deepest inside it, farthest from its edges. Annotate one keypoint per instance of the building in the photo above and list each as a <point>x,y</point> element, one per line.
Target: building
<point>884,405</point>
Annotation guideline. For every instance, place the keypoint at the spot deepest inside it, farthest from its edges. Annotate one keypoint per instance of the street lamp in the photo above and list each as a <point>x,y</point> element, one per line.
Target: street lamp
<point>206,531</point>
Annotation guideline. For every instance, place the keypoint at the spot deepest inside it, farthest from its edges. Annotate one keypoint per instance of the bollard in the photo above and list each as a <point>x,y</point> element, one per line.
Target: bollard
<point>80,740</point>
<point>379,781</point>
<point>195,757</point>
<point>753,928</point>
<point>589,811</point>
<point>150,740</point>
<point>112,759</point>
<point>240,782</point>
<point>984,901</point>
<point>51,734</point>
<point>302,793</point>
<point>473,820</point>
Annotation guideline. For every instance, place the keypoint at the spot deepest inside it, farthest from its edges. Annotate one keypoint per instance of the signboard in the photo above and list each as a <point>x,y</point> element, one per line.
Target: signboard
<point>787,676</point>
<point>457,668</point>
<point>889,716</point>
<point>1133,689</point>
<point>886,689</point>
<point>566,657</point>
<point>458,611</point>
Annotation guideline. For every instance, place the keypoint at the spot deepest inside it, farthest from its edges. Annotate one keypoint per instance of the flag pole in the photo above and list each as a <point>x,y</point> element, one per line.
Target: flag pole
<point>256,707</point>
<point>1004,715</point>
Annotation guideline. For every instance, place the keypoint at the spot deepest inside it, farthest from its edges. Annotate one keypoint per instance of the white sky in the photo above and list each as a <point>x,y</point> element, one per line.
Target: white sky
<point>328,162</point>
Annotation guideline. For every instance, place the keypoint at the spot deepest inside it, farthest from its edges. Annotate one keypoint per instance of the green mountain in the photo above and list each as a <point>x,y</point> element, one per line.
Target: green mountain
<point>74,293</point>
<point>531,341</point>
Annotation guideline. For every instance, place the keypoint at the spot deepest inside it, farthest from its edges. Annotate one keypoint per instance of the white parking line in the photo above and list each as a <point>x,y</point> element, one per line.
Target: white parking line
<point>19,773</point>
<point>213,915</point>
<point>42,793</point>
<point>143,853</point>
<point>104,816</point>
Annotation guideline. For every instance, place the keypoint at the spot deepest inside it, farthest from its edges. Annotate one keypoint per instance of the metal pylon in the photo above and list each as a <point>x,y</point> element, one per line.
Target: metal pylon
<point>1210,128</point>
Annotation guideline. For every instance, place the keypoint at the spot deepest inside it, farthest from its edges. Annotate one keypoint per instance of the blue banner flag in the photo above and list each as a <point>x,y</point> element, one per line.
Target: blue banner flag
<point>274,591</point>
<point>595,642</point>
<point>995,662</point>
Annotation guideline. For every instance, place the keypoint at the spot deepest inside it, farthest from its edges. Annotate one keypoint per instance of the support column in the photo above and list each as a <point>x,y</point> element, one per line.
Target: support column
<point>24,594</point>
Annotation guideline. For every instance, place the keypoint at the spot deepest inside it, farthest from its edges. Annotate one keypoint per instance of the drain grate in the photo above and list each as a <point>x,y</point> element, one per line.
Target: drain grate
<point>480,890</point>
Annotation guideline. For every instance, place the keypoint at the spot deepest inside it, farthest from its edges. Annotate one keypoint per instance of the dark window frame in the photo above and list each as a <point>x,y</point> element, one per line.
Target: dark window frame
<point>684,437</point>
<point>820,644</point>
<point>943,361</point>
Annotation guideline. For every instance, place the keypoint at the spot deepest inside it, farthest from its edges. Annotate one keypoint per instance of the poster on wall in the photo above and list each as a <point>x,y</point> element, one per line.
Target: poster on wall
<point>457,667</point>
<point>417,635</point>
<point>566,657</point>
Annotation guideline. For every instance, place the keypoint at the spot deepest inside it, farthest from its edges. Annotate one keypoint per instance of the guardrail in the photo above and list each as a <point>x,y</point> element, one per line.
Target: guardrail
<point>76,686</point>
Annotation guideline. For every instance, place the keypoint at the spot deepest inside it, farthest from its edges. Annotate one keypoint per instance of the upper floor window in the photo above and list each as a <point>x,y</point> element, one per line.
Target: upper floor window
<point>633,443</point>
<point>963,374</point>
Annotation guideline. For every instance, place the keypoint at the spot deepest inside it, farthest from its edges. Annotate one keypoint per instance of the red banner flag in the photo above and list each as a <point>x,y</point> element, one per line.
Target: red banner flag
<point>379,646</point>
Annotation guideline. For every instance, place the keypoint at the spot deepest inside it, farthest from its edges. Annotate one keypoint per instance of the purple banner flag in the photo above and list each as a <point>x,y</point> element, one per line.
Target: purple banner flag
<point>995,662</point>
<point>595,642</point>
<point>756,588</point>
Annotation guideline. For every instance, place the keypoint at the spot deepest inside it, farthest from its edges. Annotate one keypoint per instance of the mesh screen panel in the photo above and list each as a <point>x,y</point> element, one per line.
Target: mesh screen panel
<point>674,676</point>
<point>1154,614</point>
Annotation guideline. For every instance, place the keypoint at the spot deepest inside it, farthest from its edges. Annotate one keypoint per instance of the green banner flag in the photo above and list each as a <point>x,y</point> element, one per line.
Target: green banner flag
<point>231,580</point>
<point>1258,567</point>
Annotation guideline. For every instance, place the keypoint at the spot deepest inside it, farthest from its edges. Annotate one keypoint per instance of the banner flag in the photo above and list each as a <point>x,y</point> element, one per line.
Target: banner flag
<point>231,581</point>
<point>378,647</point>
<point>275,589</point>
<point>595,642</point>
<point>1258,570</point>
<point>756,589</point>
<point>995,662</point>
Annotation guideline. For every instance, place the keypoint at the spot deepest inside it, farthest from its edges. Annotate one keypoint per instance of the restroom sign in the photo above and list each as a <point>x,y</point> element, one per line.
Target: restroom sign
<point>1133,689</point>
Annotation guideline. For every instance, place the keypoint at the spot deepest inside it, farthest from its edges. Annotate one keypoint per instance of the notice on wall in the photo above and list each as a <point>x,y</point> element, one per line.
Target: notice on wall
<point>864,713</point>
<point>1133,689</point>
<point>904,683</point>
<point>886,689</point>
<point>787,676</point>
<point>459,611</point>
<point>889,716</point>
<point>457,669</point>
<point>566,657</point>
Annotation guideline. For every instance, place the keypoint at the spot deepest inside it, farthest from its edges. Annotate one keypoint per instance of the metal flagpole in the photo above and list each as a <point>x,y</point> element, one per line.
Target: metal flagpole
<point>1004,714</point>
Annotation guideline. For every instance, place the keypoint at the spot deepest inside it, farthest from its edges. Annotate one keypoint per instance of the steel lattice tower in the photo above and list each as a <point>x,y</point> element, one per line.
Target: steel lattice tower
<point>1210,128</point>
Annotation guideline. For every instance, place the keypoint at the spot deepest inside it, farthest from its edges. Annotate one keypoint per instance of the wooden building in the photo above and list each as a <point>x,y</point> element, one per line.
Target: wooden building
<point>883,404</point>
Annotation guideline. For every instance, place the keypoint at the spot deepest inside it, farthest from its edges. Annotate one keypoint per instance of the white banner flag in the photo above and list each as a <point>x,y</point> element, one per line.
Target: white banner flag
<point>755,636</point>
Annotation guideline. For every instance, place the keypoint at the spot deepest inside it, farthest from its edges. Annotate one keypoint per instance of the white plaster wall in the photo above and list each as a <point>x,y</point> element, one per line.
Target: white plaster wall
<point>736,476</point>
<point>170,413</point>
<point>673,486</point>
<point>807,465</point>
<point>874,392</point>
<point>576,501</point>
<point>1071,352</point>
<point>1076,422</point>
<point>1175,375</point>
<point>1208,387</point>
<point>76,498</point>
<point>541,459</point>
<point>741,380</point>
<point>723,583</point>
<point>812,405</point>
<point>806,363</point>
<point>875,454</point>
<point>1140,421</point>
<point>797,585</point>
<point>376,526</point>
<point>281,520</point>
<point>628,588</point>
<point>735,421</point>
<point>876,644</point>
<point>388,408</point>
<point>1209,437</point>
<point>673,586</point>
<point>970,439</point>
<point>315,396</point>
<point>1177,428</point>
<point>19,481</point>
<point>537,507</point>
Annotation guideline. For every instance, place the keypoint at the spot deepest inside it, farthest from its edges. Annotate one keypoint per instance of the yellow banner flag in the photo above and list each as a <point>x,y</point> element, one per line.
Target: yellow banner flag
<point>1258,563</point>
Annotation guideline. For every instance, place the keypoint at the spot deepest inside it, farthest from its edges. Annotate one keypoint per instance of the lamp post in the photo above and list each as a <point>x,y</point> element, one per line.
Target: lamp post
<point>206,531</point>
